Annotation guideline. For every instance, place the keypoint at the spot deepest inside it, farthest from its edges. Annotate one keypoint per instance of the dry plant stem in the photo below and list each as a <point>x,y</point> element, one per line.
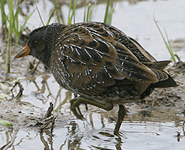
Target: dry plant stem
<point>10,143</point>
<point>8,58</point>
<point>52,124</point>
<point>46,123</point>
<point>46,146</point>
<point>35,68</point>
<point>3,53</point>
<point>58,96</point>
<point>49,111</point>
<point>20,90</point>
<point>48,118</point>
<point>178,137</point>
<point>67,97</point>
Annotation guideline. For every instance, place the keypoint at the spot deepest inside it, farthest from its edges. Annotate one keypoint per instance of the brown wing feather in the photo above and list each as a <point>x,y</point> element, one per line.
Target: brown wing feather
<point>93,59</point>
<point>142,54</point>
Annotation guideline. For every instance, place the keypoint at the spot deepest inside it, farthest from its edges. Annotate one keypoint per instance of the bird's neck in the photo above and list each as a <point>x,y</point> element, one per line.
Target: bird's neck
<point>51,35</point>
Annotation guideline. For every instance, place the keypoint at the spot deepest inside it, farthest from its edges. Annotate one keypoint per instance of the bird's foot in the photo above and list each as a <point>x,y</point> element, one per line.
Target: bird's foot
<point>79,100</point>
<point>75,103</point>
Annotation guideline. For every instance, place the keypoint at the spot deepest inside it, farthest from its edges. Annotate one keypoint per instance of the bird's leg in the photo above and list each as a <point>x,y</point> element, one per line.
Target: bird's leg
<point>121,114</point>
<point>79,100</point>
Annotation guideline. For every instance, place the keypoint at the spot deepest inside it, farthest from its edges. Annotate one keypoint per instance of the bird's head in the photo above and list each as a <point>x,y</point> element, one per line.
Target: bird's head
<point>40,42</point>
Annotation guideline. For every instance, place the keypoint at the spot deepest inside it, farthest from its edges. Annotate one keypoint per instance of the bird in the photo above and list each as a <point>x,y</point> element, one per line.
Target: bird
<point>99,63</point>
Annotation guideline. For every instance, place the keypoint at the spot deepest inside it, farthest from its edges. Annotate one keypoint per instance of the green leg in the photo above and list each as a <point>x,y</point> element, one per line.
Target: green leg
<point>75,103</point>
<point>121,114</point>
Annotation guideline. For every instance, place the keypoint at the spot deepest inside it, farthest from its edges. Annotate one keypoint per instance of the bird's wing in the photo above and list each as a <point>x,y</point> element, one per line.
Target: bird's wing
<point>93,59</point>
<point>141,54</point>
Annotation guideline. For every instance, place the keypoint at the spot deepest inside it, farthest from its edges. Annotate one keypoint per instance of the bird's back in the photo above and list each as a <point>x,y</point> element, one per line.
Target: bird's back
<point>97,60</point>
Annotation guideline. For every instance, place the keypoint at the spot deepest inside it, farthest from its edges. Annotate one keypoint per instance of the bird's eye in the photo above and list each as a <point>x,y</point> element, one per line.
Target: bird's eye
<point>35,43</point>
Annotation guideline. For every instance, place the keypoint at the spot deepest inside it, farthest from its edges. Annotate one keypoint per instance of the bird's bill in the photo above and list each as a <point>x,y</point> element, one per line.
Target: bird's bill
<point>23,53</point>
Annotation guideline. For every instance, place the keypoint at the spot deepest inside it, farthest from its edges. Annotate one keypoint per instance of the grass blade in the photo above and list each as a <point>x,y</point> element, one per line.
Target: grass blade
<point>74,9</point>
<point>4,21</point>
<point>39,14</point>
<point>91,10</point>
<point>69,13</point>
<point>85,10</point>
<point>50,16</point>
<point>170,47</point>
<point>71,16</point>
<point>58,17</point>
<point>10,7</point>
<point>167,42</point>
<point>88,12</point>
<point>107,11</point>
<point>27,18</point>
<point>5,122</point>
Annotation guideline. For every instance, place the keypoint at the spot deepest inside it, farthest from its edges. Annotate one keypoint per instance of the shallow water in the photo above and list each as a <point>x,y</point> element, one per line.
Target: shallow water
<point>96,132</point>
<point>81,135</point>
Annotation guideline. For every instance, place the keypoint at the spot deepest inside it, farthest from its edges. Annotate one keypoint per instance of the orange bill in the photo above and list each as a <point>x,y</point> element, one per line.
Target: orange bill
<point>23,53</point>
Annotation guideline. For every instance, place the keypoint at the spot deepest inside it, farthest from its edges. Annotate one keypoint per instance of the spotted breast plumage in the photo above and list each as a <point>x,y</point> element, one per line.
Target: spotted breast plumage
<point>98,62</point>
